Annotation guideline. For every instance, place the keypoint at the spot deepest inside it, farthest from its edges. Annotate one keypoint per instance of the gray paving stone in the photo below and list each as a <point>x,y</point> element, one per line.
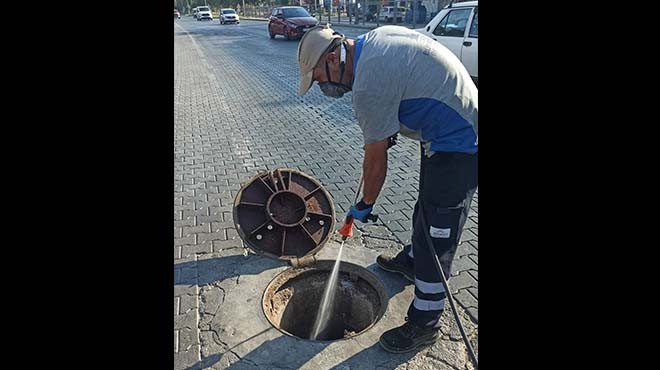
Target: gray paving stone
<point>189,240</point>
<point>188,250</point>
<point>186,320</point>
<point>187,303</point>
<point>186,359</point>
<point>463,263</point>
<point>461,281</point>
<point>465,249</point>
<point>219,245</point>
<point>466,299</point>
<point>188,339</point>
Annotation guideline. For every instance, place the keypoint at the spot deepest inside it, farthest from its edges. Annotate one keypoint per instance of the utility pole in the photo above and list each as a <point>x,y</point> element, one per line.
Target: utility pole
<point>396,8</point>
<point>365,11</point>
<point>378,14</point>
<point>414,13</point>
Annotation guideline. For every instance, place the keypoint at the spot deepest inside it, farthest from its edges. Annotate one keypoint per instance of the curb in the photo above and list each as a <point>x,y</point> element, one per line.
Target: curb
<point>255,19</point>
<point>366,27</point>
<point>351,25</point>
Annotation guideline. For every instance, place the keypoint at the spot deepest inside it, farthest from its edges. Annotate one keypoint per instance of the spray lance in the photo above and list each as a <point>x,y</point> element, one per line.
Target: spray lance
<point>346,230</point>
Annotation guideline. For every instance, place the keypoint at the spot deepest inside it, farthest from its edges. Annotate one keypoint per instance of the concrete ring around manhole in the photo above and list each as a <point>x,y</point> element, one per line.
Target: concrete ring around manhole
<point>291,301</point>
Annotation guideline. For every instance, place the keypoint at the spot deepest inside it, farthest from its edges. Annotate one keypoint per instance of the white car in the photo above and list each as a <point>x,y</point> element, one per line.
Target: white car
<point>228,15</point>
<point>204,12</point>
<point>457,28</point>
<point>387,14</point>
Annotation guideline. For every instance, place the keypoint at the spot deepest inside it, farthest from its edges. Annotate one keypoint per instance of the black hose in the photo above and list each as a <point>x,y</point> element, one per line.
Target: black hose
<point>444,282</point>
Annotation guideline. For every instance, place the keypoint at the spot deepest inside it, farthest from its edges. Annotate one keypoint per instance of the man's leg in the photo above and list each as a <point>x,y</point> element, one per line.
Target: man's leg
<point>449,182</point>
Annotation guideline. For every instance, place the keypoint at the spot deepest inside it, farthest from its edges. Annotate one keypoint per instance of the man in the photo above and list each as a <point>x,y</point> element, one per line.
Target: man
<point>404,82</point>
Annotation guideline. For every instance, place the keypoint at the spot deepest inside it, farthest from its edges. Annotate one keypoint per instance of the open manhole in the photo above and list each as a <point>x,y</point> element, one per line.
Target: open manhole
<point>291,301</point>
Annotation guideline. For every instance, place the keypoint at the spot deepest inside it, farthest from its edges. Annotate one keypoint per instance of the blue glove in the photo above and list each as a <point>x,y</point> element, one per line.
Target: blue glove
<point>361,211</point>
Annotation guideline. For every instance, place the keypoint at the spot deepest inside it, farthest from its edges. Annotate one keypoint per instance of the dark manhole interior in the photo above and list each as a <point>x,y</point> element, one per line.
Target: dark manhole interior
<point>291,301</point>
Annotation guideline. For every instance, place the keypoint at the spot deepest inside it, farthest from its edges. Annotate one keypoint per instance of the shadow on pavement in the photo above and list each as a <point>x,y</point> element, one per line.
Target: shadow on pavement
<point>213,359</point>
<point>289,353</point>
<point>393,282</point>
<point>208,271</point>
<point>206,362</point>
<point>282,352</point>
<point>375,357</point>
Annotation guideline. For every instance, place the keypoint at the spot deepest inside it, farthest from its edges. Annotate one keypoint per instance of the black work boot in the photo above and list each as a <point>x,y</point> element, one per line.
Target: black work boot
<point>400,263</point>
<point>407,337</point>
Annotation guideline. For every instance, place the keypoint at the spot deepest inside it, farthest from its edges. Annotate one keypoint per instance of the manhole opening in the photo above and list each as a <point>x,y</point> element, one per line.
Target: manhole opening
<point>291,301</point>
<point>286,208</point>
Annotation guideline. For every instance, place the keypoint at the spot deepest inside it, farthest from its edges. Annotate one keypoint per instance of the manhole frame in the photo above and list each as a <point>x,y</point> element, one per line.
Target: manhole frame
<point>326,265</point>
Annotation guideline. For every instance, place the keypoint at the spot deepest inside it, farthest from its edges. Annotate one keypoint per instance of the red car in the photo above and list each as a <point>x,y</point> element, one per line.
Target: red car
<point>290,21</point>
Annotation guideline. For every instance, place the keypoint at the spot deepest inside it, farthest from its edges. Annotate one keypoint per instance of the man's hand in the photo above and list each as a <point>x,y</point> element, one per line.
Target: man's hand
<point>361,211</point>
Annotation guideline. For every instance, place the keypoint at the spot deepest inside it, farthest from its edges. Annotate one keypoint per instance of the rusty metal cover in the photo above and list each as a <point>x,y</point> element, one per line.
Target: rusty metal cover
<point>284,214</point>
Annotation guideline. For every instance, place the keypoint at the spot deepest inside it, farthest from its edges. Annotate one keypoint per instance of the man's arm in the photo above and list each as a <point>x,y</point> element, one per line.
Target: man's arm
<point>374,168</point>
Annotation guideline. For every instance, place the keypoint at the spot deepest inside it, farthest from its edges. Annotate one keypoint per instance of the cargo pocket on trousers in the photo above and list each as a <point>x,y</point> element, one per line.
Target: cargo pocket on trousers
<point>443,223</point>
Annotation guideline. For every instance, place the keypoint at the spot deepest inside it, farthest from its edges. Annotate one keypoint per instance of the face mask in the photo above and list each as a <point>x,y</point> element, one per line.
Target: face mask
<point>335,89</point>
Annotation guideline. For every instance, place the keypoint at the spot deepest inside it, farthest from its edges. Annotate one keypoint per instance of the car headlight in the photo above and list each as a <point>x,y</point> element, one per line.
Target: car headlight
<point>291,24</point>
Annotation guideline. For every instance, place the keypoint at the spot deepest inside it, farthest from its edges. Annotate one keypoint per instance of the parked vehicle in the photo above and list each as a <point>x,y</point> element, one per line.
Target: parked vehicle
<point>457,28</point>
<point>228,15</point>
<point>386,14</point>
<point>290,21</point>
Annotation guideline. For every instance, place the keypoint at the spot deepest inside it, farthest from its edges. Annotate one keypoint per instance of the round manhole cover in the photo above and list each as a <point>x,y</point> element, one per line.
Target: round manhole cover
<point>291,301</point>
<point>284,214</point>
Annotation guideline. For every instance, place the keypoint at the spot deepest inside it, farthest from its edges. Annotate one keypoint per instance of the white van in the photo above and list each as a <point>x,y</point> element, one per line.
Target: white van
<point>386,14</point>
<point>228,15</point>
<point>204,12</point>
<point>457,28</point>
